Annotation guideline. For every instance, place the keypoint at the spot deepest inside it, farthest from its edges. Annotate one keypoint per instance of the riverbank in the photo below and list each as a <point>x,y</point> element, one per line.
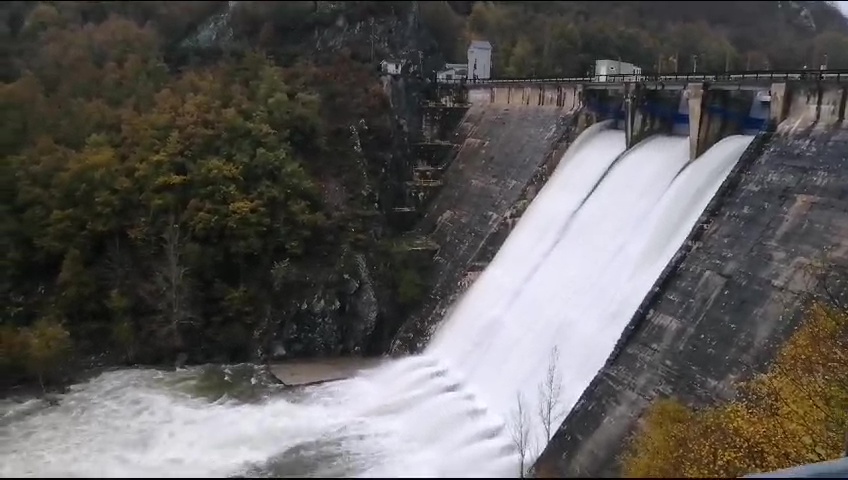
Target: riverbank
<point>291,373</point>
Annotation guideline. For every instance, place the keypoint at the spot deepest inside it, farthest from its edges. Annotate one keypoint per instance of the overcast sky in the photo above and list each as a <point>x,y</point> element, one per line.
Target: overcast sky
<point>843,6</point>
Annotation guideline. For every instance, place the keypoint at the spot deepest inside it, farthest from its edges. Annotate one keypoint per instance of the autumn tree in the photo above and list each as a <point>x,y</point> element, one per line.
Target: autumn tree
<point>141,202</point>
<point>708,34</point>
<point>48,346</point>
<point>795,413</point>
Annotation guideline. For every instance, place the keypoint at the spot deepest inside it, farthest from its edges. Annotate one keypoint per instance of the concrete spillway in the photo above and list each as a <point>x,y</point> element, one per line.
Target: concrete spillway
<point>570,276</point>
<point>578,265</point>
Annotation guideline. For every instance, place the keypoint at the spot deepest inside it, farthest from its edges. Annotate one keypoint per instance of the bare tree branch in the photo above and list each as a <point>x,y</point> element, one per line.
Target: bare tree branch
<point>172,279</point>
<point>549,408</point>
<point>520,431</point>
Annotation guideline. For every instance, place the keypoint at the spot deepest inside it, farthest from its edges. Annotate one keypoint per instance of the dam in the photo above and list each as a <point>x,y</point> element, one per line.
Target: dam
<point>785,117</point>
<point>620,238</point>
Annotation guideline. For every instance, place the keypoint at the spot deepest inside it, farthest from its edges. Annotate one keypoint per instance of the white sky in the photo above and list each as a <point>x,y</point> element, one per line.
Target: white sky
<point>843,6</point>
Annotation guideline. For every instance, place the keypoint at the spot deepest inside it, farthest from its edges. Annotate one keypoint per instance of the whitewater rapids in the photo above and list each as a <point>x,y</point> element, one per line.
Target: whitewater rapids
<point>570,277</point>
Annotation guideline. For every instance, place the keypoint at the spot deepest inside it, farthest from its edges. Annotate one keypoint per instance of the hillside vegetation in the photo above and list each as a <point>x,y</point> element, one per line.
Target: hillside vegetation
<point>162,195</point>
<point>564,38</point>
<point>151,209</point>
<point>795,413</point>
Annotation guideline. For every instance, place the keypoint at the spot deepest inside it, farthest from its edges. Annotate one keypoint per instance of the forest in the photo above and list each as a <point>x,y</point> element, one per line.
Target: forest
<point>564,38</point>
<point>159,200</point>
<point>150,211</point>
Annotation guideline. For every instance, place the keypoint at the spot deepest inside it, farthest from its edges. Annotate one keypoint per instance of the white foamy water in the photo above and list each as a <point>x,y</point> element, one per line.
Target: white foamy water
<point>579,293</point>
<point>408,419</point>
<point>570,276</point>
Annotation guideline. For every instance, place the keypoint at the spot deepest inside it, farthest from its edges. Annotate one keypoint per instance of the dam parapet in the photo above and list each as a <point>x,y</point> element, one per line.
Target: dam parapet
<point>705,111</point>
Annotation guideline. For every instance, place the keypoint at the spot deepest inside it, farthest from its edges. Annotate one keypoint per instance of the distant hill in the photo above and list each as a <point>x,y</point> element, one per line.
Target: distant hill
<point>564,38</point>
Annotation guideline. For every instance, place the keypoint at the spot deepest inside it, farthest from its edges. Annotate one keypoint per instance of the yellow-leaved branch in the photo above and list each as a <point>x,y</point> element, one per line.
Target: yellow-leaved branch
<point>795,413</point>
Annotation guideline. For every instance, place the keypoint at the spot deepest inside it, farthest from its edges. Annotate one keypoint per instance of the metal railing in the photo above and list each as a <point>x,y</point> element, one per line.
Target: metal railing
<point>831,469</point>
<point>760,75</point>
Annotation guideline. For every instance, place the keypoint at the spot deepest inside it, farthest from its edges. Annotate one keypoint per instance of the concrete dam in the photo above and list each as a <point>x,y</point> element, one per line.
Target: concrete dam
<point>708,288</point>
<point>645,239</point>
<point>732,293</point>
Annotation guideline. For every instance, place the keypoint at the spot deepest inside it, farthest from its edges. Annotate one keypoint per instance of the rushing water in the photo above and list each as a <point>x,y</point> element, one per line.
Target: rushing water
<point>577,267</point>
<point>570,276</point>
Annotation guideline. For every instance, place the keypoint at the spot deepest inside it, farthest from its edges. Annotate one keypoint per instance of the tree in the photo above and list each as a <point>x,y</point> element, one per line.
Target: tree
<point>549,408</point>
<point>795,413</point>
<point>522,59</point>
<point>830,48</point>
<point>520,433</point>
<point>48,347</point>
<point>173,281</point>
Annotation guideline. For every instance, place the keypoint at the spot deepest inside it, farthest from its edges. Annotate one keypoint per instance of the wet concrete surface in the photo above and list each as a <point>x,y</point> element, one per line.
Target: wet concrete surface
<point>502,148</point>
<point>731,302</point>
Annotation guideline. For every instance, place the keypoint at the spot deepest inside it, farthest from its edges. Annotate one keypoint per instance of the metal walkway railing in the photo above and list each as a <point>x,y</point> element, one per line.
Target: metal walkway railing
<point>831,469</point>
<point>731,77</point>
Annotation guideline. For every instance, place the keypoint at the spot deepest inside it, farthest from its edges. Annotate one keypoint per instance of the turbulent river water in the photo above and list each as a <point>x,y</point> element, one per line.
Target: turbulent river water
<point>218,421</point>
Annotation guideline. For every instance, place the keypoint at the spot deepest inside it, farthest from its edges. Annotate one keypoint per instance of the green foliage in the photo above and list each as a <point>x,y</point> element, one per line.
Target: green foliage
<point>147,208</point>
<point>40,351</point>
<point>564,38</point>
<point>411,286</point>
<point>48,347</point>
<point>446,27</point>
<point>409,273</point>
<point>795,413</point>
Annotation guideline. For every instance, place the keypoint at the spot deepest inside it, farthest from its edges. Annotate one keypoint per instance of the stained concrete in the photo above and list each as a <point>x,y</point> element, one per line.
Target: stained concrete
<point>299,373</point>
<point>721,312</point>
<point>502,148</point>
<point>813,107</point>
<point>564,96</point>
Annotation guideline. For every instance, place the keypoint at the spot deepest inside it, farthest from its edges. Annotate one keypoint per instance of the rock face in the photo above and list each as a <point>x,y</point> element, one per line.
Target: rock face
<point>502,149</point>
<point>731,302</point>
<point>337,318</point>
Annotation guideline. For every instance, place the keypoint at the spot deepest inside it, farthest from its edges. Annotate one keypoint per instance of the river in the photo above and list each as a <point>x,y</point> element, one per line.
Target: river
<point>231,421</point>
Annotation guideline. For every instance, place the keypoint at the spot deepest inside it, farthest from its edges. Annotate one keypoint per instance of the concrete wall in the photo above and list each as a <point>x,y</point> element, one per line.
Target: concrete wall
<point>649,112</point>
<point>503,148</point>
<point>727,301</point>
<point>810,106</point>
<point>715,114</point>
<point>566,97</point>
<point>712,114</point>
<point>496,239</point>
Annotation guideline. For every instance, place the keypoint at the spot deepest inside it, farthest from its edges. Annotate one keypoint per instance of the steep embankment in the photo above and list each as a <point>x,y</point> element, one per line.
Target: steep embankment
<point>504,151</point>
<point>733,299</point>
